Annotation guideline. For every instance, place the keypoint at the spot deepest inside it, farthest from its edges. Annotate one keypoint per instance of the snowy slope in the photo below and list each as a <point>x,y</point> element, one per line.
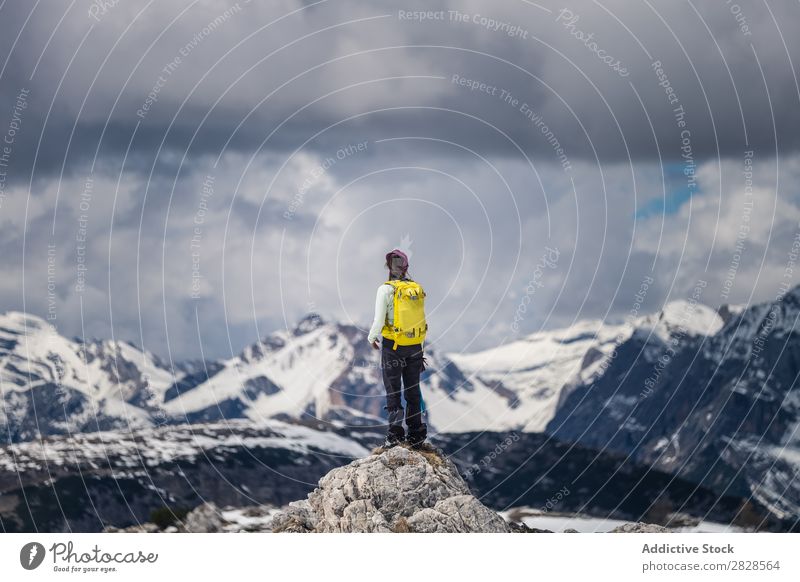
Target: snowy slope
<point>171,444</point>
<point>50,384</point>
<point>533,370</point>
<point>586,524</point>
<point>32,352</point>
<point>282,379</point>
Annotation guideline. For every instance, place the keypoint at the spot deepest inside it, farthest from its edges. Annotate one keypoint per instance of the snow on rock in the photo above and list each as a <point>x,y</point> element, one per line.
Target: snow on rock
<point>679,318</point>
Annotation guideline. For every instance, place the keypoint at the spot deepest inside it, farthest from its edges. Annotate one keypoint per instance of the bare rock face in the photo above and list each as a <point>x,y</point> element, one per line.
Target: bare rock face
<point>454,514</point>
<point>394,490</point>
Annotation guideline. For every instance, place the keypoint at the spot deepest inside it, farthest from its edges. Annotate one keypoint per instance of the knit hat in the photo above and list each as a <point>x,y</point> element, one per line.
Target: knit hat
<point>397,258</point>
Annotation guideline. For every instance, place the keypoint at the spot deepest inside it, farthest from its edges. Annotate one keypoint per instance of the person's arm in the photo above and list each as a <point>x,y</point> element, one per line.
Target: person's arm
<point>381,310</point>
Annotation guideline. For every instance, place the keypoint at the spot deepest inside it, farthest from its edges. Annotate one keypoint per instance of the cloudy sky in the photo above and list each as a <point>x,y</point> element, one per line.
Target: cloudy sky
<point>191,175</point>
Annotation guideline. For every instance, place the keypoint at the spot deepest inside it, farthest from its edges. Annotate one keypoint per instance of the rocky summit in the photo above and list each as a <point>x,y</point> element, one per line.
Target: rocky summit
<point>392,490</point>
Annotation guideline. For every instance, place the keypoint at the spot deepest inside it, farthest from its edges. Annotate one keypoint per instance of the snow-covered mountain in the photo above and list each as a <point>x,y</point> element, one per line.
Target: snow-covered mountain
<point>323,370</point>
<point>53,385</point>
<point>722,410</point>
<point>318,370</point>
<point>536,371</point>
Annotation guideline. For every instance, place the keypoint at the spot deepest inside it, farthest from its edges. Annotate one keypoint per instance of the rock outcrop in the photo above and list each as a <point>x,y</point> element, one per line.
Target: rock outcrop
<point>394,490</point>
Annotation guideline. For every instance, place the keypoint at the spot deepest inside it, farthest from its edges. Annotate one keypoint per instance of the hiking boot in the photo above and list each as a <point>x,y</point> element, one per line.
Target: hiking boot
<point>416,441</point>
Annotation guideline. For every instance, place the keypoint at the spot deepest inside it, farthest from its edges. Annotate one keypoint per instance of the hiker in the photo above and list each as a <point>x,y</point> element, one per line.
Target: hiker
<point>400,321</point>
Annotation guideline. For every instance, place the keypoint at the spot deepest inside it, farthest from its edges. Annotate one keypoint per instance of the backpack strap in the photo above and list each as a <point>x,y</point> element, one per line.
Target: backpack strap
<point>393,283</point>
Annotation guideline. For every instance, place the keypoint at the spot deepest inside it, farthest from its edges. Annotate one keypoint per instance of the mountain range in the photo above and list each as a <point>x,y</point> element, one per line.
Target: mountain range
<point>709,396</point>
<point>320,369</point>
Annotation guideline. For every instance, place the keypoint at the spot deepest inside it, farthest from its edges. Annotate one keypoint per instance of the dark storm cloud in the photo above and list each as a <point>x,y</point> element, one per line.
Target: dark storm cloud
<point>205,69</point>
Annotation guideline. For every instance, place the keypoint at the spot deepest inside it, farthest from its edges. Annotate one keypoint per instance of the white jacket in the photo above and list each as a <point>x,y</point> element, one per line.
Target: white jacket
<point>384,308</point>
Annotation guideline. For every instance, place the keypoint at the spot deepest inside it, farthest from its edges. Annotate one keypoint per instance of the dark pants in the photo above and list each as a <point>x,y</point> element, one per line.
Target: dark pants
<point>403,365</point>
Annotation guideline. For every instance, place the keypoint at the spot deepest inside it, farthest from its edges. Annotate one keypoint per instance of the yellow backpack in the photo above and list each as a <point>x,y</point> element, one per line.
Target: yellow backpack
<point>409,326</point>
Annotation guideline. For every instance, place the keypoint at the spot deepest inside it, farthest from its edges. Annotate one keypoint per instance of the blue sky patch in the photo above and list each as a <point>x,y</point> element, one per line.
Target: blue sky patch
<point>676,194</point>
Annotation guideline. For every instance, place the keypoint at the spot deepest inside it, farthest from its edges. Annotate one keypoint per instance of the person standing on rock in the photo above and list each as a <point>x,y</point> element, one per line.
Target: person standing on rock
<point>400,322</point>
